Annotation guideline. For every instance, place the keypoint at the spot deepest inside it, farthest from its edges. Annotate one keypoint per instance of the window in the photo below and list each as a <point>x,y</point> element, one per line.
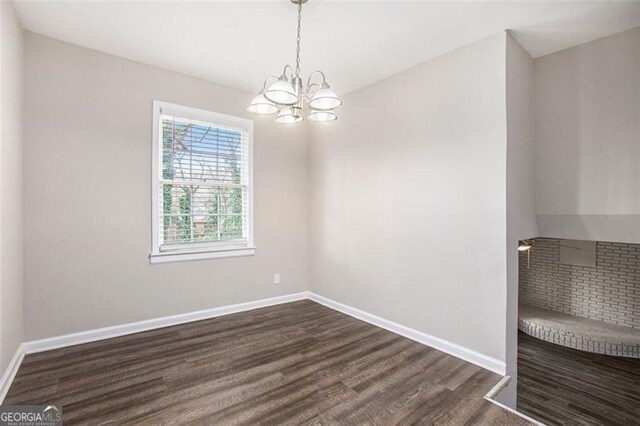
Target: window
<point>202,183</point>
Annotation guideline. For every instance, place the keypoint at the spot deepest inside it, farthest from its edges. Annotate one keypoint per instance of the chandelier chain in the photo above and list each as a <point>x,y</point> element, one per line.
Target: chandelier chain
<point>298,39</point>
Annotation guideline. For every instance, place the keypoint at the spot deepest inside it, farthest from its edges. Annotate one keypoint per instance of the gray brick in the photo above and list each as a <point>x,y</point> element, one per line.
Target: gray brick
<point>609,292</point>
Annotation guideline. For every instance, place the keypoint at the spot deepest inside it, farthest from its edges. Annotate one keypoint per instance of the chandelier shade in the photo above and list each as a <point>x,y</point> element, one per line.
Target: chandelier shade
<point>320,115</point>
<point>289,97</point>
<point>325,99</point>
<point>286,116</point>
<point>262,105</point>
<point>281,92</point>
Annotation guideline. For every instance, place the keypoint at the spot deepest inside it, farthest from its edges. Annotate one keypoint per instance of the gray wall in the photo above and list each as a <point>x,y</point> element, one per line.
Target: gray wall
<point>88,201</point>
<point>609,292</point>
<point>521,219</point>
<point>587,140</point>
<point>405,186</point>
<point>11,257</point>
<point>88,146</point>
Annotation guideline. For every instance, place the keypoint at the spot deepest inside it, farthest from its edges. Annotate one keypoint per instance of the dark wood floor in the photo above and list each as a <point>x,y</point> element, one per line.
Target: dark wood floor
<point>293,363</point>
<point>558,385</point>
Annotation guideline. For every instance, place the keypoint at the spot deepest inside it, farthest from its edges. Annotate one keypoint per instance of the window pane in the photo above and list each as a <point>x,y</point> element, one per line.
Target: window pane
<point>196,214</point>
<point>200,152</point>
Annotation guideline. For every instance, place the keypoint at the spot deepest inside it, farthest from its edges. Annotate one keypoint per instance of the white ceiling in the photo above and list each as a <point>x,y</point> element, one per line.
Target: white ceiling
<point>356,43</point>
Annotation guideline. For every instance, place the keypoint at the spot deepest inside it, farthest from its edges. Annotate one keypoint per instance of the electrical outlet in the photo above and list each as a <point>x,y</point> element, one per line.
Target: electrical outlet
<point>276,279</point>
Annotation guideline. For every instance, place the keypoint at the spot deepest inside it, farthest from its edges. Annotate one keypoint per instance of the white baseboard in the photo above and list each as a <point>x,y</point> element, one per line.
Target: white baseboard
<point>454,349</point>
<point>134,327</point>
<point>152,324</point>
<point>458,351</point>
<point>10,372</point>
<point>496,390</point>
<point>517,413</point>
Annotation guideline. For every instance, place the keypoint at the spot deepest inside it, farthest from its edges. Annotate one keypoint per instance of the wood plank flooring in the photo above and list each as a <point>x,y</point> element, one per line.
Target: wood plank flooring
<point>558,385</point>
<point>297,363</point>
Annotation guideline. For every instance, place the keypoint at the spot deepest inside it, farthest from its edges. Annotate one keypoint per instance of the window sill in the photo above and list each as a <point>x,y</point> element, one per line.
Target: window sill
<point>155,258</point>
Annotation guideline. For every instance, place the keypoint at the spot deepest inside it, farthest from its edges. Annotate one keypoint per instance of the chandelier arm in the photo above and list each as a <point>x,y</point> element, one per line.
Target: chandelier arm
<point>298,39</point>
<point>264,85</point>
<point>284,70</point>
<point>309,92</point>
<point>324,79</point>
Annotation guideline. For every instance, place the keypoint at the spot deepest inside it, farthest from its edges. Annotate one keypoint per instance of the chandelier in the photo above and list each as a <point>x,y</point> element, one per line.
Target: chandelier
<point>286,96</point>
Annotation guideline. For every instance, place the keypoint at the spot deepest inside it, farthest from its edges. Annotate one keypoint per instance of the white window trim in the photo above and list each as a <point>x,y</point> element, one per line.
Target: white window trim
<point>211,250</point>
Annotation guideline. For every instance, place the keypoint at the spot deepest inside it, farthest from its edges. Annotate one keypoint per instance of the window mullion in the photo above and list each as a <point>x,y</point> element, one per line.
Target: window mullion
<point>201,183</point>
